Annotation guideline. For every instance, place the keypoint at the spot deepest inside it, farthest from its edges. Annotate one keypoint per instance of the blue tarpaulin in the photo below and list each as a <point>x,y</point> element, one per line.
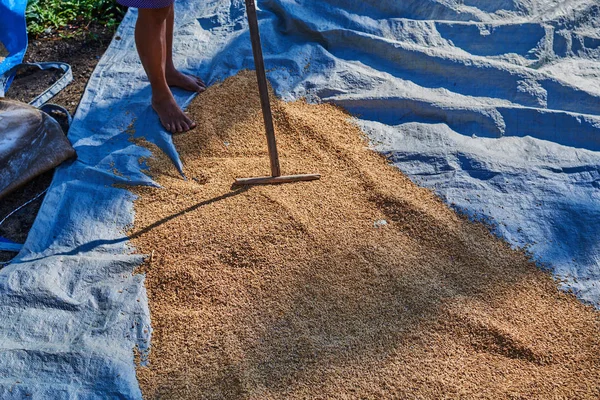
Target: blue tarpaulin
<point>496,107</point>
<point>13,36</point>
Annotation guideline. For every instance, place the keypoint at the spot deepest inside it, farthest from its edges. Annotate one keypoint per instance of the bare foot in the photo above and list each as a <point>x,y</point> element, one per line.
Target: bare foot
<point>184,81</point>
<point>171,116</point>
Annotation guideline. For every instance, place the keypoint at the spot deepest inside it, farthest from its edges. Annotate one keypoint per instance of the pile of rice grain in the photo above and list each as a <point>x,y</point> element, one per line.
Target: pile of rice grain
<point>302,291</point>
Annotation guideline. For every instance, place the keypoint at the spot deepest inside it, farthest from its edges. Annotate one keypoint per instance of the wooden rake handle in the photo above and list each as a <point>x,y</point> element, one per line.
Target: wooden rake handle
<point>263,87</point>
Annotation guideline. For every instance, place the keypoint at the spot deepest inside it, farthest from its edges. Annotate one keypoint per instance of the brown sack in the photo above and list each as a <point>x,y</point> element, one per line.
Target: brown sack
<point>31,143</point>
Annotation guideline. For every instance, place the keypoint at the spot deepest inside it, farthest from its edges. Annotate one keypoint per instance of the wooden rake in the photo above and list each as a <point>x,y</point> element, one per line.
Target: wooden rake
<point>259,63</point>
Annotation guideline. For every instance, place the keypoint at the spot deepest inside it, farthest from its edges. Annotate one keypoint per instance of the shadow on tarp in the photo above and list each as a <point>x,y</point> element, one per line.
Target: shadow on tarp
<point>83,205</point>
<point>93,306</point>
<point>109,159</point>
<point>101,244</point>
<point>493,122</point>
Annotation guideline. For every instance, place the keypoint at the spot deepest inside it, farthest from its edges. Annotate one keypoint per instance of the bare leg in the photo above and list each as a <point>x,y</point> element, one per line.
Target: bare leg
<point>174,77</point>
<point>151,42</point>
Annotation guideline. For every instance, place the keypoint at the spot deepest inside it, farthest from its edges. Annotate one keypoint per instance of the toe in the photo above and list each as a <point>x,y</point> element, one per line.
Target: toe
<point>197,87</point>
<point>198,81</point>
<point>185,126</point>
<point>171,127</point>
<point>193,86</point>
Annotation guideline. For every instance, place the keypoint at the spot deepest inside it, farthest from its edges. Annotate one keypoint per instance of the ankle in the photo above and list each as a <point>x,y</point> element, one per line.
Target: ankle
<point>162,96</point>
<point>170,69</point>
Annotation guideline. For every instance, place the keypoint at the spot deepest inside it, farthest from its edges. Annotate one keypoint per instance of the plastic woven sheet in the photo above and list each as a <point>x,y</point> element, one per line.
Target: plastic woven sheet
<point>496,108</point>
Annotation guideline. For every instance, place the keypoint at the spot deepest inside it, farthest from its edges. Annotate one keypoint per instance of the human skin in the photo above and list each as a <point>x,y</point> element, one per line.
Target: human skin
<point>154,42</point>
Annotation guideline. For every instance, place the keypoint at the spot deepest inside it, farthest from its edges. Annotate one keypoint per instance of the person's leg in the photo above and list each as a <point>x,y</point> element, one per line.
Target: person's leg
<point>174,77</point>
<point>151,43</point>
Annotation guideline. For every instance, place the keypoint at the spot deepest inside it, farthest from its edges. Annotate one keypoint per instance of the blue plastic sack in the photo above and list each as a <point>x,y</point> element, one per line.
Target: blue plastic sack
<point>13,35</point>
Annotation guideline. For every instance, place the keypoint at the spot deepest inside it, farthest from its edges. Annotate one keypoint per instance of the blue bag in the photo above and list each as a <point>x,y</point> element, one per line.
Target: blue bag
<point>13,35</point>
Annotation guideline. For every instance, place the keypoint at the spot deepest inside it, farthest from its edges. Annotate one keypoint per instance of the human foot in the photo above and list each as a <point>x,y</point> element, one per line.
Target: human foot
<point>171,116</point>
<point>184,81</point>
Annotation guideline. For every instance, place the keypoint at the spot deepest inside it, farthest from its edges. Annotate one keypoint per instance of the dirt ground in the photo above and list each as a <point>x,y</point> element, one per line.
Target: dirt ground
<point>3,52</point>
<point>361,285</point>
<point>82,52</point>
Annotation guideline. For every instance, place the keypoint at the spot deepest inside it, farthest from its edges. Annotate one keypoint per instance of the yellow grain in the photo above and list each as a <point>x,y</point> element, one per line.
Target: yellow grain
<point>294,291</point>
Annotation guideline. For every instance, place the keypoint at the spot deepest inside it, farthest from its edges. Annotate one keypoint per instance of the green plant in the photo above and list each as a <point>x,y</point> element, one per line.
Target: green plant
<point>71,15</point>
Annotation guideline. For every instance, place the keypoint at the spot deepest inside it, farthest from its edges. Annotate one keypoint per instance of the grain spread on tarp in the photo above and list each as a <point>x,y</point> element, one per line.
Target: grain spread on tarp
<point>360,285</point>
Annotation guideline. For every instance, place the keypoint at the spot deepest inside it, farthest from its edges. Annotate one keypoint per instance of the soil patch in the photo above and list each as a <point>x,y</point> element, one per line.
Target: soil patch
<point>3,52</point>
<point>31,82</point>
<point>82,52</point>
<point>361,285</point>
